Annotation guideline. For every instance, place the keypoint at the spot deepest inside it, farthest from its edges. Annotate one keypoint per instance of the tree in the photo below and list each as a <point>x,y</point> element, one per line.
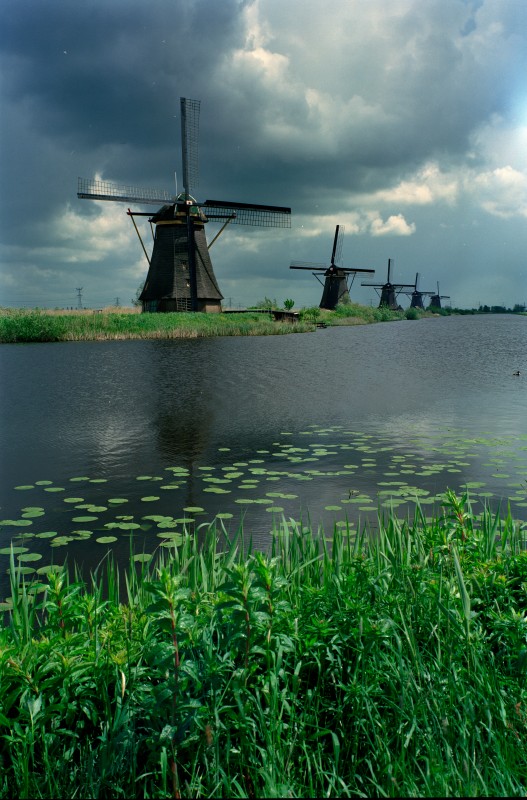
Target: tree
<point>265,303</point>
<point>288,304</point>
<point>135,300</point>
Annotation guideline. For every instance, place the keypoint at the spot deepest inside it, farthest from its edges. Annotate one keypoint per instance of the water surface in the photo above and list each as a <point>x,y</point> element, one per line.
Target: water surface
<point>331,425</point>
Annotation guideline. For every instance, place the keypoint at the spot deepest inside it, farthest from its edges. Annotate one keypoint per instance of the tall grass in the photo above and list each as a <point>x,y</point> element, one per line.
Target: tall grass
<point>40,326</point>
<point>388,665</point>
<point>353,313</point>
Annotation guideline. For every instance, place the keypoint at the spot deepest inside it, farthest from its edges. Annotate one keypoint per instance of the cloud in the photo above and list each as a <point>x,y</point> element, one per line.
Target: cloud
<point>395,225</point>
<point>403,121</point>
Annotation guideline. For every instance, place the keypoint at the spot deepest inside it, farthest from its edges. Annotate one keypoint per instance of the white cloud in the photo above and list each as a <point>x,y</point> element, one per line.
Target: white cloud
<point>395,225</point>
<point>501,192</point>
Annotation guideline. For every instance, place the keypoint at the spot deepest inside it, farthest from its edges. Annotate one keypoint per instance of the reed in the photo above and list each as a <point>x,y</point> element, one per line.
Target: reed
<point>387,665</point>
<point>41,326</point>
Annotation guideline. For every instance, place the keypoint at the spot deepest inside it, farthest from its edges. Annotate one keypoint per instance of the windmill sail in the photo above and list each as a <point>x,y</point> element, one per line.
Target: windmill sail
<point>435,299</point>
<point>389,291</point>
<point>189,142</point>
<point>417,295</point>
<point>94,189</point>
<point>336,285</point>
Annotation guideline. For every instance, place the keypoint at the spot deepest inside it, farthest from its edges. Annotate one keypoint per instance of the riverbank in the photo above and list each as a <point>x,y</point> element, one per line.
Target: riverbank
<point>39,325</point>
<point>389,666</point>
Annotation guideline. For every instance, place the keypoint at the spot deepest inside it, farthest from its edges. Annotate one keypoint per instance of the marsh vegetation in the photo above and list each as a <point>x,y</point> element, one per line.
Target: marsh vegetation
<point>41,325</point>
<point>392,665</point>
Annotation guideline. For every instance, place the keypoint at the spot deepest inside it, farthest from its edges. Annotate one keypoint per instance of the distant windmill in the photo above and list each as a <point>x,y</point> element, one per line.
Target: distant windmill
<point>336,279</point>
<point>435,300</point>
<point>417,296</point>
<point>180,275</point>
<point>389,291</point>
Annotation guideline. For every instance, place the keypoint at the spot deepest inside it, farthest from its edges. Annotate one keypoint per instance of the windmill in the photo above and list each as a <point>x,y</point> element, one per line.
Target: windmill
<point>389,290</point>
<point>180,274</point>
<point>417,296</point>
<point>435,299</point>
<point>336,279</point>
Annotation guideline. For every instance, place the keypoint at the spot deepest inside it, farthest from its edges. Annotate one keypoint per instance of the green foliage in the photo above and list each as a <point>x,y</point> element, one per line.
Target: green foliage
<point>311,314</point>
<point>412,313</point>
<point>23,326</point>
<point>390,665</point>
<point>135,300</point>
<point>266,303</point>
<point>289,304</point>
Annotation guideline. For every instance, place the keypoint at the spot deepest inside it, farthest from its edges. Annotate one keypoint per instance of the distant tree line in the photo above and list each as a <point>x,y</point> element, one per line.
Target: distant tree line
<point>518,308</point>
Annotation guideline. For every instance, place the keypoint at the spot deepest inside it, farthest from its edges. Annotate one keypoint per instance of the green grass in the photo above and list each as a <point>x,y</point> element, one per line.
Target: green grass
<point>38,325</point>
<point>41,326</point>
<point>389,665</point>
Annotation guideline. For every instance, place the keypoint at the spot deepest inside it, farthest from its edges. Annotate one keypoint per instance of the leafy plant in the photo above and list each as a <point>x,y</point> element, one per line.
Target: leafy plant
<point>391,664</point>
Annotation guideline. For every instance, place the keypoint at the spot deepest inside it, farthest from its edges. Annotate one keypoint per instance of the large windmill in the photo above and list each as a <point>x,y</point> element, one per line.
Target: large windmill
<point>180,275</point>
<point>389,291</point>
<point>417,295</point>
<point>336,279</point>
<point>435,299</point>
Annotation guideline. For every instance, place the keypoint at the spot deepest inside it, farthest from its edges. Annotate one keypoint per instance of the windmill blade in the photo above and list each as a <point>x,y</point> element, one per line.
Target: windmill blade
<point>306,265</point>
<point>91,189</point>
<point>189,142</point>
<point>356,269</point>
<point>249,213</point>
<point>337,245</point>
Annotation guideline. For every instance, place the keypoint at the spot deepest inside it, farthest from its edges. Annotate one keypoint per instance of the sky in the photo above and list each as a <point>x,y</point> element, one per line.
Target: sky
<point>404,121</point>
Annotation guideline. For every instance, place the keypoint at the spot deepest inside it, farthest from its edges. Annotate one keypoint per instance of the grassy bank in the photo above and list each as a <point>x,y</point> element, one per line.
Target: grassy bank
<point>42,326</point>
<point>22,325</point>
<point>390,666</point>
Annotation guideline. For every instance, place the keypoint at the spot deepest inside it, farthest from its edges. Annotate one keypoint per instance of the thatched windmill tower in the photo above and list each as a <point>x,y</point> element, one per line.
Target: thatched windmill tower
<point>388,292</point>
<point>180,274</point>
<point>336,278</point>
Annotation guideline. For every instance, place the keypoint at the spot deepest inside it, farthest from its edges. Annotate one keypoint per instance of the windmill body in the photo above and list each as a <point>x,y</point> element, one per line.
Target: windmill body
<point>337,282</point>
<point>388,292</point>
<point>180,274</point>
<point>417,296</point>
<point>168,284</point>
<point>435,299</point>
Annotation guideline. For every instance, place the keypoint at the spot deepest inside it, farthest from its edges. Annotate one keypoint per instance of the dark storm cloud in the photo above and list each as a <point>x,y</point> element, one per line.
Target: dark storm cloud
<point>391,116</point>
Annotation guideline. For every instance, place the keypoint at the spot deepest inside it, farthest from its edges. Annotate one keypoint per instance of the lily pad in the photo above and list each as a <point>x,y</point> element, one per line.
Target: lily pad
<point>49,568</point>
<point>141,558</point>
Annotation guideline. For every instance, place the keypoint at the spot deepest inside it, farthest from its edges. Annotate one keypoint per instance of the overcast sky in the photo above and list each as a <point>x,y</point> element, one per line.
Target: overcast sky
<point>405,121</point>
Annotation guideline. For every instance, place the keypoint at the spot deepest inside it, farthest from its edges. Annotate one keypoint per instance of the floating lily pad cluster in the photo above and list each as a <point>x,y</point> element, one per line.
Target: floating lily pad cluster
<point>332,476</point>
